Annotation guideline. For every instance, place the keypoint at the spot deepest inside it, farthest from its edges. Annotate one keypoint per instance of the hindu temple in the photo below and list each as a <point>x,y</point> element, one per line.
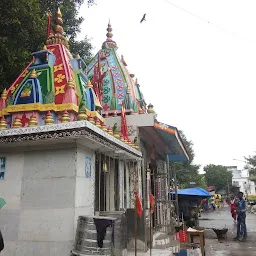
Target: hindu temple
<point>77,143</point>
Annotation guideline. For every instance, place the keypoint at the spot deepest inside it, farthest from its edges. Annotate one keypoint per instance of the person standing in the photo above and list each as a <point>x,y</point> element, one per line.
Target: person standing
<point>241,216</point>
<point>213,203</point>
<point>232,205</point>
<point>217,202</point>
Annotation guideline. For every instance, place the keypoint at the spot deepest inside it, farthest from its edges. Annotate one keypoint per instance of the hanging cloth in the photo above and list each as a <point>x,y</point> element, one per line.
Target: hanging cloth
<point>101,227</point>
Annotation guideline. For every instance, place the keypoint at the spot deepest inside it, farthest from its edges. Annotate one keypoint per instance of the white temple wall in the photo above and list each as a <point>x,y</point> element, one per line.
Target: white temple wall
<point>45,191</point>
<point>133,122</point>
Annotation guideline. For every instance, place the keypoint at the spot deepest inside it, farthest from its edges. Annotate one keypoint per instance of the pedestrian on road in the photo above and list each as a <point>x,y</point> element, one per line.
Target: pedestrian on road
<point>241,216</point>
<point>232,205</point>
<point>212,202</point>
<point>217,202</point>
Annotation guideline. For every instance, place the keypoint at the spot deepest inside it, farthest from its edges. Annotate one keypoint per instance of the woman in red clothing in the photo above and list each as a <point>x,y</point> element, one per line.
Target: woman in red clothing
<point>233,206</point>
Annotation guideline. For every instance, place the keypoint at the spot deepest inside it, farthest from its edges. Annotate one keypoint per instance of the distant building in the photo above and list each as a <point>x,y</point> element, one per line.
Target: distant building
<point>240,179</point>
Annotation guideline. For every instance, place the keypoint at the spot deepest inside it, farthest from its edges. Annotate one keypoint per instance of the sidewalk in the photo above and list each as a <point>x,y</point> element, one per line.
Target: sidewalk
<point>155,252</point>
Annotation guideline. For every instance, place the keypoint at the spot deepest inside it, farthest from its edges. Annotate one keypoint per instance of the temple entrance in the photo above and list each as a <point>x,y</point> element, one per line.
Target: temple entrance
<point>106,183</point>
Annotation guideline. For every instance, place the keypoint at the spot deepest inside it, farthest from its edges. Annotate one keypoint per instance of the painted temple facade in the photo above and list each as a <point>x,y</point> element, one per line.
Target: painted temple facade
<point>79,140</point>
<point>118,89</point>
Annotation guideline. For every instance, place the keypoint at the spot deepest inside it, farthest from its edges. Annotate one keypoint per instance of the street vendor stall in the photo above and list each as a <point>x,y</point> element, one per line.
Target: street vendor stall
<point>189,200</point>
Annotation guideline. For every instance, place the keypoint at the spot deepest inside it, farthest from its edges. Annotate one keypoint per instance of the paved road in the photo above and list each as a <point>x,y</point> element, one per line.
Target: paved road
<point>228,247</point>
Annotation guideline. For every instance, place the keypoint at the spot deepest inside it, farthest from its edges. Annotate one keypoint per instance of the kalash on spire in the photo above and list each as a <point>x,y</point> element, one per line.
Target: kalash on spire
<point>53,85</point>
<point>58,37</point>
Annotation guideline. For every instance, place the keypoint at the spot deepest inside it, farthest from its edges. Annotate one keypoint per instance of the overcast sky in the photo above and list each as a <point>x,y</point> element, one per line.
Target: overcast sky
<point>195,62</point>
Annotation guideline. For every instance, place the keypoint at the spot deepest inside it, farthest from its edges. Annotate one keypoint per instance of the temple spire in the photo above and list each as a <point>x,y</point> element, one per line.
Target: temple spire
<point>109,43</point>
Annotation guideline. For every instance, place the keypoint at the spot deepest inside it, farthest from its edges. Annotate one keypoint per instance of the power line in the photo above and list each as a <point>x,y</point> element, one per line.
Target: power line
<point>209,22</point>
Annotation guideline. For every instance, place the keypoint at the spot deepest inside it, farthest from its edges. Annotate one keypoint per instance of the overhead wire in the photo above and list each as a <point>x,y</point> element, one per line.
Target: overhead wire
<point>210,23</point>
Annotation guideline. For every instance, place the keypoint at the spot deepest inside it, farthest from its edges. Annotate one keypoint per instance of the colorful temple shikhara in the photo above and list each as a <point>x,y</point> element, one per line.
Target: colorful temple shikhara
<point>79,140</point>
<point>52,89</point>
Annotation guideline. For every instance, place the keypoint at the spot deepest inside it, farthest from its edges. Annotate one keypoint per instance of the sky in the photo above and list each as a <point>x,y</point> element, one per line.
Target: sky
<point>195,62</point>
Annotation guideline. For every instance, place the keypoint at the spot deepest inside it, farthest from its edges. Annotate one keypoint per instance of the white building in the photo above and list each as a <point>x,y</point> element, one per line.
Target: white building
<point>240,178</point>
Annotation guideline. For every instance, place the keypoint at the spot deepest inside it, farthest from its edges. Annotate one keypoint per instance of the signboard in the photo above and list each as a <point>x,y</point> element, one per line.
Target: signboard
<point>88,167</point>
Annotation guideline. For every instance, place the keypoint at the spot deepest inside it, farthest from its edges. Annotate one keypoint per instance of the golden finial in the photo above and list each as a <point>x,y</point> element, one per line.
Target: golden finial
<point>103,127</point>
<point>82,114</point>
<point>109,43</point>
<point>122,138</point>
<point>128,91</point>
<point>59,22</point>
<point>89,84</point>
<point>48,119</point>
<point>141,111</point>
<point>71,83</point>
<point>78,56</point>
<point>4,94</point>
<point>33,74</point>
<point>110,131</point>
<point>109,29</point>
<point>32,121</point>
<point>3,124</point>
<point>65,117</point>
<point>44,48</point>
<point>97,123</point>
<point>91,120</point>
<point>150,109</point>
<point>17,123</point>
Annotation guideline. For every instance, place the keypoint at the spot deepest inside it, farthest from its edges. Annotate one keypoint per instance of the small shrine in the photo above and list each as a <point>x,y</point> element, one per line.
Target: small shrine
<point>52,89</point>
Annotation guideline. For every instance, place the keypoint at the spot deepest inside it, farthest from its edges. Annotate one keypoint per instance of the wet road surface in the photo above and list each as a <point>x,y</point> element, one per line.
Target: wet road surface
<point>228,247</point>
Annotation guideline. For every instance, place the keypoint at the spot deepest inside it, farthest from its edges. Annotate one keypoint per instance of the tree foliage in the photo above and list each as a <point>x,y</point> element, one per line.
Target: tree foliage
<point>218,176</point>
<point>251,164</point>
<point>188,172</point>
<point>23,30</point>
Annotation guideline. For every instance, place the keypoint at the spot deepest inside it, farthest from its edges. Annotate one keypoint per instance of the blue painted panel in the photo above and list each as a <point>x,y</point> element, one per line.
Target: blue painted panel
<point>35,95</point>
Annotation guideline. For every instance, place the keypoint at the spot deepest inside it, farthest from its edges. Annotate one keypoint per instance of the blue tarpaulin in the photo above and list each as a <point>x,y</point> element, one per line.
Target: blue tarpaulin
<point>193,192</point>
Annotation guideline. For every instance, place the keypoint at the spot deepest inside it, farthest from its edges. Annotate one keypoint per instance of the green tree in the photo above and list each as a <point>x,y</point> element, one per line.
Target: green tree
<point>23,30</point>
<point>187,172</point>
<point>251,165</point>
<point>218,176</point>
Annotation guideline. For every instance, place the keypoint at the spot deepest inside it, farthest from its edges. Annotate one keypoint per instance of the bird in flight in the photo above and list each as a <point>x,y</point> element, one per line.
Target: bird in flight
<point>143,18</point>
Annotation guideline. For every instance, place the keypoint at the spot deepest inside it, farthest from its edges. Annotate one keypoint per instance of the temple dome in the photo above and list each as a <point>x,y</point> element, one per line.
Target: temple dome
<point>112,82</point>
<point>53,81</point>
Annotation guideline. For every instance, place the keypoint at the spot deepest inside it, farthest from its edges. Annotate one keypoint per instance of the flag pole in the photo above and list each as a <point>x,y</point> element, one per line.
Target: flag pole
<point>150,230</point>
<point>135,212</point>
<point>135,231</point>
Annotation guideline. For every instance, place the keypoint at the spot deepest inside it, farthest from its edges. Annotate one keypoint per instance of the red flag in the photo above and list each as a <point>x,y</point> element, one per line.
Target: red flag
<point>152,202</point>
<point>138,204</point>
<point>124,128</point>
